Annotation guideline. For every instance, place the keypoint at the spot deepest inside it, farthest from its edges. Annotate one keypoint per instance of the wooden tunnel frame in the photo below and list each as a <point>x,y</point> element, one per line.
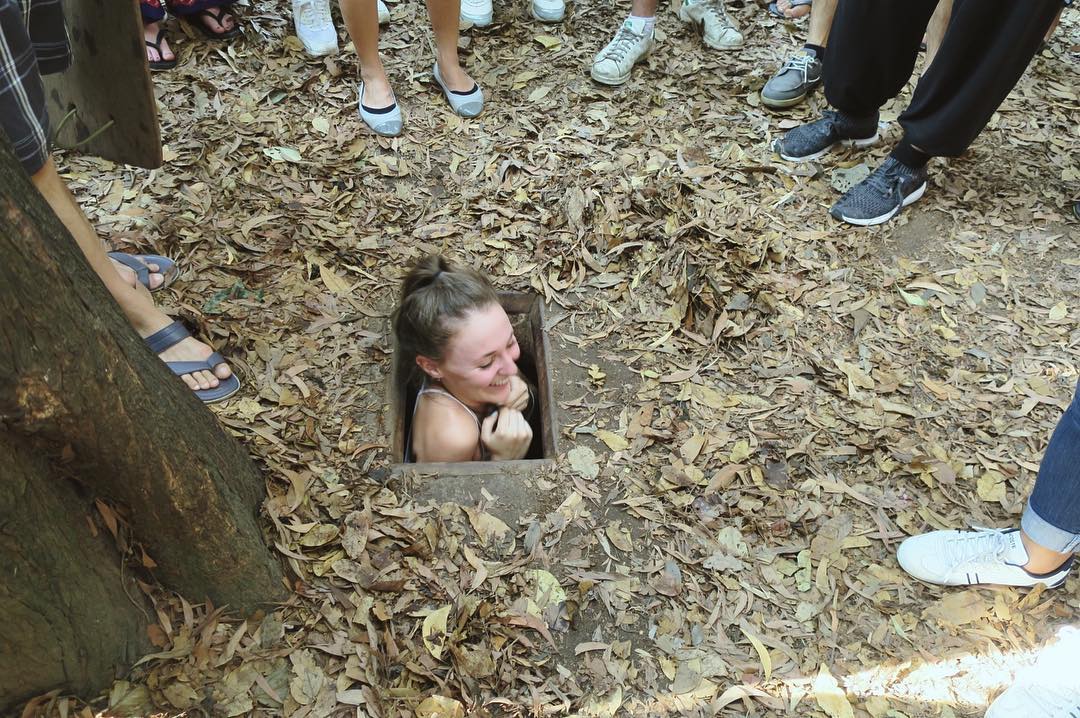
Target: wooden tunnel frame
<point>526,312</point>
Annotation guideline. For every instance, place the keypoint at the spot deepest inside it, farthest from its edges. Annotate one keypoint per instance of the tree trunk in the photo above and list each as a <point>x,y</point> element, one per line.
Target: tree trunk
<point>75,378</point>
<point>66,621</point>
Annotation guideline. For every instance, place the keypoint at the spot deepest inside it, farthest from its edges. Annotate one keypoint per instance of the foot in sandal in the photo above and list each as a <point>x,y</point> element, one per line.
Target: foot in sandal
<point>790,9</point>
<point>200,367</point>
<point>159,56</point>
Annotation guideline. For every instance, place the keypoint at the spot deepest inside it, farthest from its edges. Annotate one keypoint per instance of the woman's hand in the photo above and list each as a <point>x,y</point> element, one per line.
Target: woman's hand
<point>510,439</point>
<point>519,394</point>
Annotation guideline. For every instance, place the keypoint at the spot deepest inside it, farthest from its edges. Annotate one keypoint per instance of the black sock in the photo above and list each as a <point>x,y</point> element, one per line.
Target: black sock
<point>818,50</point>
<point>909,155</point>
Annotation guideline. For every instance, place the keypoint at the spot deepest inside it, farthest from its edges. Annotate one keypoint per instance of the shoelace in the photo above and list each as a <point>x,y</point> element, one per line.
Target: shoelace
<point>718,12</point>
<point>315,13</point>
<point>800,63</point>
<point>624,40</point>
<point>882,180</point>
<point>986,545</point>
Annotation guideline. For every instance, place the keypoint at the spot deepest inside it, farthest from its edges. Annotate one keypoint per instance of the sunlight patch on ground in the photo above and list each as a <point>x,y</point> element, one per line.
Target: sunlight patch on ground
<point>966,681</point>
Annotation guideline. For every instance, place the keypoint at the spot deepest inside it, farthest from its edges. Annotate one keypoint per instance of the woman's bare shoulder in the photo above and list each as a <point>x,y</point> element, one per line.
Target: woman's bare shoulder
<point>444,430</point>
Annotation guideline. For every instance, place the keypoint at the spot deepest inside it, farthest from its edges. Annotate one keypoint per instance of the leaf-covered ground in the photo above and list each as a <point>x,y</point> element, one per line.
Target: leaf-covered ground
<point>755,404</point>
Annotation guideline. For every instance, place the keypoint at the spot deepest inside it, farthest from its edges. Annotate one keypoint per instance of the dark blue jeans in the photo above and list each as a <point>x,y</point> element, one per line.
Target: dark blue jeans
<point>1052,516</point>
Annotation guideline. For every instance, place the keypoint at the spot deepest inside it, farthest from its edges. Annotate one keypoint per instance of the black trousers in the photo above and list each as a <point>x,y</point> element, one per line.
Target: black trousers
<point>873,46</point>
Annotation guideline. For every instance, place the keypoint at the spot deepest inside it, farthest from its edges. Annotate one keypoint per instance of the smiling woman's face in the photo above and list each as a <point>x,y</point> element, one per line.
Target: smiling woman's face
<point>479,359</point>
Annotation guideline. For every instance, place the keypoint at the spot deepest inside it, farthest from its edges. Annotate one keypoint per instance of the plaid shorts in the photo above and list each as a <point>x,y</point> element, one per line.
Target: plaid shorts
<point>33,42</point>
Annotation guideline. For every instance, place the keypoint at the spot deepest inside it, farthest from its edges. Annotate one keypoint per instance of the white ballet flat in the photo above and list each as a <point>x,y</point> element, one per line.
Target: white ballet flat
<point>466,104</point>
<point>385,121</point>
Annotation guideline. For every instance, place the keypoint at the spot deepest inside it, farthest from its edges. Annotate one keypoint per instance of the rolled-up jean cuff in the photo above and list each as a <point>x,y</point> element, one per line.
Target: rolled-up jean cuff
<point>1046,534</point>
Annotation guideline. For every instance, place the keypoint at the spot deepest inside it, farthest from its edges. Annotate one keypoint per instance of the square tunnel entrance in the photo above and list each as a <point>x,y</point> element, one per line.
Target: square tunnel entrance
<point>526,313</point>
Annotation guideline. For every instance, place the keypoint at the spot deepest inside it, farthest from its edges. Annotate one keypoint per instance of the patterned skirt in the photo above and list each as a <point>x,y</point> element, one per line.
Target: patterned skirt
<point>154,10</point>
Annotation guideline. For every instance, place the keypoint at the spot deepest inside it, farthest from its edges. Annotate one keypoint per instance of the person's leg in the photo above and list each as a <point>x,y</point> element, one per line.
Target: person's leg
<point>986,48</point>
<point>802,71</point>
<point>212,15</point>
<point>362,22</point>
<point>25,124</point>
<point>632,42</point>
<point>872,51</point>
<point>643,8</point>
<point>1050,527</point>
<point>935,30</point>
<point>1040,552</point>
<point>158,52</point>
<point>134,301</point>
<point>821,20</point>
<point>444,22</point>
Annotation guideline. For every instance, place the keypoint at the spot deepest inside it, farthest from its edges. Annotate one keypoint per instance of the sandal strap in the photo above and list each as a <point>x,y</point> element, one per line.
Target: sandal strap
<point>217,16</point>
<point>142,272</point>
<point>190,367</point>
<point>156,44</point>
<point>170,336</point>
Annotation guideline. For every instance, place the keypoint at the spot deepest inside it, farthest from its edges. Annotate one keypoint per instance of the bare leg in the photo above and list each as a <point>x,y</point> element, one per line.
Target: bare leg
<point>643,8</point>
<point>150,33</point>
<point>821,22</point>
<point>935,29</point>
<point>134,301</point>
<point>444,21</point>
<point>362,21</point>
<point>1041,560</point>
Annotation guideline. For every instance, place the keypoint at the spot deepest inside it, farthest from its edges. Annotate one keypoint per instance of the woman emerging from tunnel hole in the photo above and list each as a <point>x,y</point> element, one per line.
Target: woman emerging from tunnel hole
<point>452,330</point>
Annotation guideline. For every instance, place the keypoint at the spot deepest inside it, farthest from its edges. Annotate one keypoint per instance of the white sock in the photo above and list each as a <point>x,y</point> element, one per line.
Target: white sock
<point>642,25</point>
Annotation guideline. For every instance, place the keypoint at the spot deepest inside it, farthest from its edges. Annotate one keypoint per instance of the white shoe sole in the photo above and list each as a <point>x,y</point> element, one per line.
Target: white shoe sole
<point>913,197</point>
<point>716,46</point>
<point>478,20</point>
<point>790,102</point>
<point>321,51</point>
<point>547,17</point>
<point>858,144</point>
<point>621,79</point>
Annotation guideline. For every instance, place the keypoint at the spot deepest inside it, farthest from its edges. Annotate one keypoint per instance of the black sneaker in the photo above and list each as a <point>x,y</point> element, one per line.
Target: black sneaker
<point>879,197</point>
<point>810,141</point>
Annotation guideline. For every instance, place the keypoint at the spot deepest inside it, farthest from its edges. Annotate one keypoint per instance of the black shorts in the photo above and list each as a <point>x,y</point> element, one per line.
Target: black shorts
<point>33,42</point>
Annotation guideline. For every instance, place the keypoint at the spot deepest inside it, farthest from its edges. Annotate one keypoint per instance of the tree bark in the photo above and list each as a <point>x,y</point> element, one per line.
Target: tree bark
<point>66,620</point>
<point>75,378</point>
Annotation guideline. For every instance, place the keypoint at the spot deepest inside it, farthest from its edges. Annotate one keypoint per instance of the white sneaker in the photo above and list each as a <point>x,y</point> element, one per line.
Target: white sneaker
<point>315,27</point>
<point>384,12</point>
<point>548,10</point>
<point>612,65</point>
<point>476,12</point>
<point>963,558</point>
<point>718,30</point>
<point>1050,688</point>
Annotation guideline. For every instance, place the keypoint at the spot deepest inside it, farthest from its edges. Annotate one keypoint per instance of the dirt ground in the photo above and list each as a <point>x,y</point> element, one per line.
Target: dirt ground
<point>755,404</point>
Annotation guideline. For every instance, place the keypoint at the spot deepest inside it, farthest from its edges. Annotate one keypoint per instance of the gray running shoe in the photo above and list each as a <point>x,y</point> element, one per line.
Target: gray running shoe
<point>879,197</point>
<point>812,140</point>
<point>793,81</point>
